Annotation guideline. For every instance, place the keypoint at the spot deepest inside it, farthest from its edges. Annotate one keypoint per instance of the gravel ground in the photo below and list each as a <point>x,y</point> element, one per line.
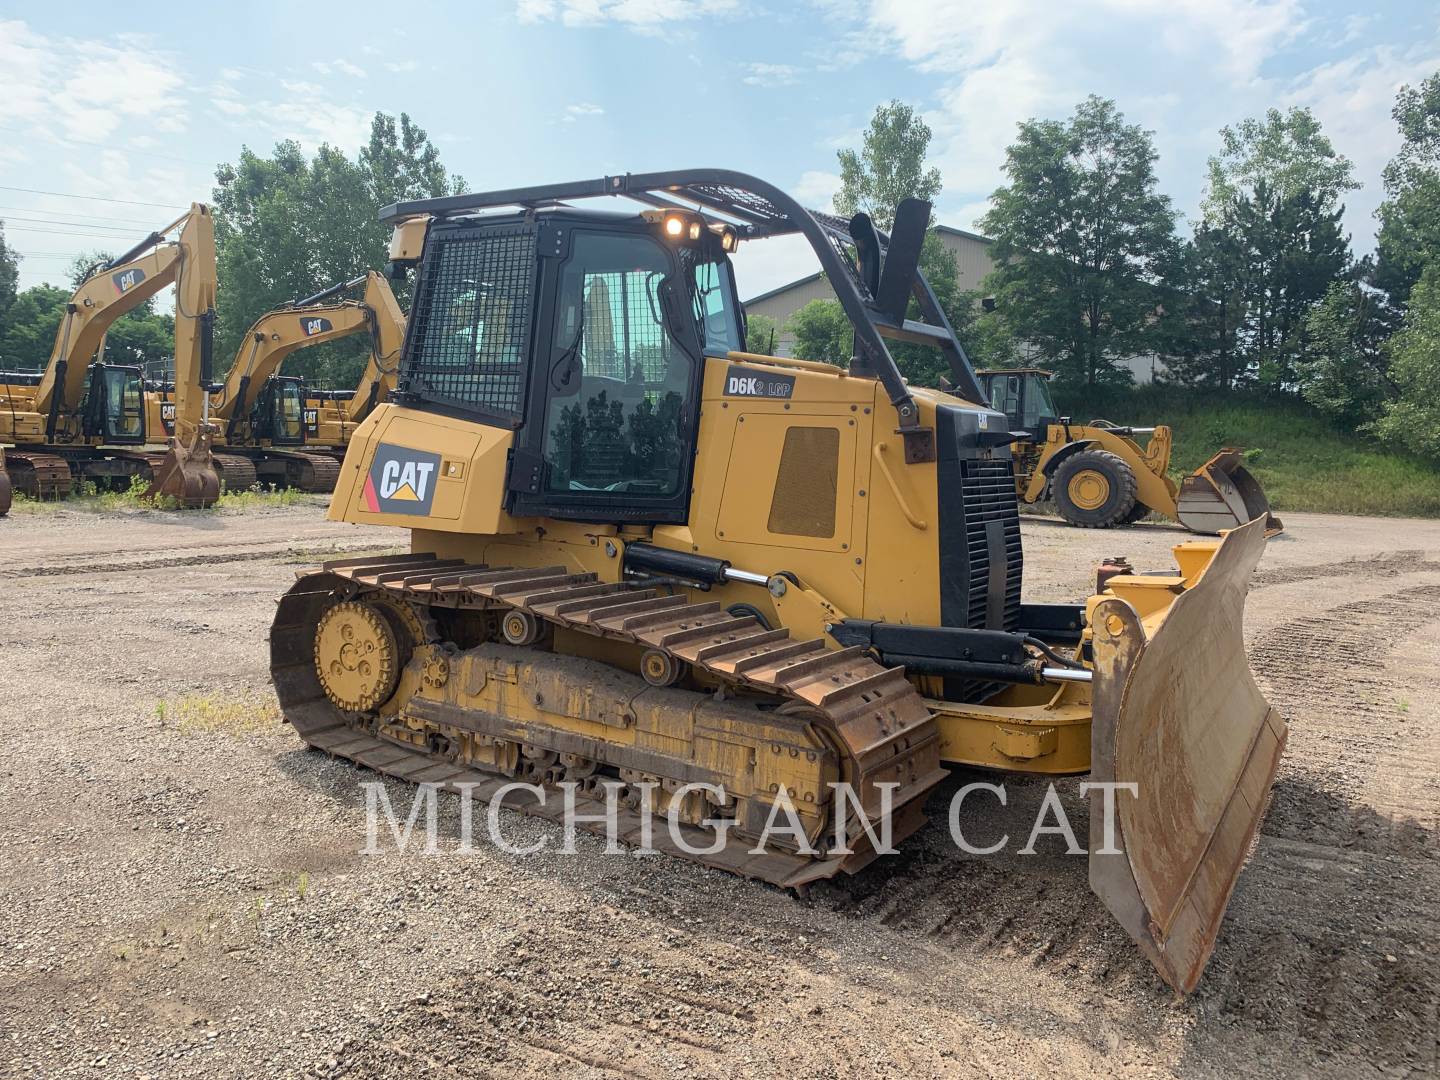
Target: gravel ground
<point>185,893</point>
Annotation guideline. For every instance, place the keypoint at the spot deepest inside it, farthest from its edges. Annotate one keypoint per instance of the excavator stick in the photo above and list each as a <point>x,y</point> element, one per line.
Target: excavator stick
<point>188,474</point>
<point>1177,715</point>
<point>1222,494</point>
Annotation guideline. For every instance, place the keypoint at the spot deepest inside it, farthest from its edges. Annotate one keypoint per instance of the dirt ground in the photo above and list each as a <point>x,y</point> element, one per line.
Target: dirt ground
<point>186,897</point>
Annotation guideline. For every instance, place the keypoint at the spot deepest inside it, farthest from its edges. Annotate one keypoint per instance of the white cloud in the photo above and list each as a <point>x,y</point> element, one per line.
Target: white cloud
<point>1183,68</point>
<point>402,66</point>
<point>644,16</point>
<point>86,89</point>
<point>771,74</point>
<point>816,189</point>
<point>338,67</point>
<point>579,110</point>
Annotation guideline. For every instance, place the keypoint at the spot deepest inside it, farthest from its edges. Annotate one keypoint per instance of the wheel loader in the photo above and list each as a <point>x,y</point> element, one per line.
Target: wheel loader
<point>1100,477</point>
<point>644,560</point>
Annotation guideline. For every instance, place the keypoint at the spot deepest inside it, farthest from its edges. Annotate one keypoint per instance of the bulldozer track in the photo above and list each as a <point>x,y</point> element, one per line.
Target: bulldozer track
<point>872,715</point>
<point>38,475</point>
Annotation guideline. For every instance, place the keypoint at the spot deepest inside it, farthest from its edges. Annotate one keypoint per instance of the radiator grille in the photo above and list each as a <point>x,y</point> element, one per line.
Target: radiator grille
<point>471,321</point>
<point>988,496</point>
<point>805,488</point>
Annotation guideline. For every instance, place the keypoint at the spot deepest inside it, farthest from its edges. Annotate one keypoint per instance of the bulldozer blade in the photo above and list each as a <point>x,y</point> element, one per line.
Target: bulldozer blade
<point>187,474</point>
<point>1222,494</point>
<point>1177,715</point>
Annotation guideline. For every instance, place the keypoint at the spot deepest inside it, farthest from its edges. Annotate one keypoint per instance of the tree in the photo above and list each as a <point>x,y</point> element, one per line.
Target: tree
<point>9,276</point>
<point>889,168</point>
<point>1409,237</point>
<point>1345,370</point>
<point>1286,151</point>
<point>1081,236</point>
<point>760,334</point>
<point>286,227</point>
<point>30,326</point>
<point>1266,252</point>
<point>1411,422</point>
<point>822,331</point>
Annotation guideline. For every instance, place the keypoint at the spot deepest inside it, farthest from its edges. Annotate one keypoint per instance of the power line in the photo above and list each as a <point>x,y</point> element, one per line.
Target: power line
<point>23,221</point>
<point>71,232</point>
<point>92,198</point>
<point>76,213</point>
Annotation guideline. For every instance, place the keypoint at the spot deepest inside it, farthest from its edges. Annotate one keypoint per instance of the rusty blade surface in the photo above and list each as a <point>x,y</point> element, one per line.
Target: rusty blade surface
<point>1179,715</point>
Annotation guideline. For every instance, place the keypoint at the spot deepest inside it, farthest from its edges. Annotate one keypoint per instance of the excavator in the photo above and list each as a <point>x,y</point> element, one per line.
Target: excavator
<point>83,417</point>
<point>663,573</point>
<point>267,424</point>
<point>1100,476</point>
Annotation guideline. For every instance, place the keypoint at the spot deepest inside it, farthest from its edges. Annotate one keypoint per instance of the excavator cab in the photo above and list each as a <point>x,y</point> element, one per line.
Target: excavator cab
<point>113,412</point>
<point>1023,395</point>
<point>278,416</point>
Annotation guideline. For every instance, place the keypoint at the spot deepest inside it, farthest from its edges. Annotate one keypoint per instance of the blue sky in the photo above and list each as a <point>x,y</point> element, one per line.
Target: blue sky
<point>131,102</point>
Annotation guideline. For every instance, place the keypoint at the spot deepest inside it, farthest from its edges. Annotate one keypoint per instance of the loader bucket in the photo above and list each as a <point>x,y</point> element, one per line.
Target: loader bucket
<point>188,474</point>
<point>1222,494</point>
<point>1177,713</point>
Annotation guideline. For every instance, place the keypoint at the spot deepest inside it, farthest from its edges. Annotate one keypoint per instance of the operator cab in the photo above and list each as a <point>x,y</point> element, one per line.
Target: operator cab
<point>1023,395</point>
<point>618,311</point>
<point>113,411</point>
<point>278,415</point>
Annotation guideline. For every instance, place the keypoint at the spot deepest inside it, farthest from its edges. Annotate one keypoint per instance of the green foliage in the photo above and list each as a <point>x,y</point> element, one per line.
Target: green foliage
<point>889,168</point>
<point>761,333</point>
<point>9,275</point>
<point>1412,420</point>
<point>1081,238</point>
<point>1285,151</point>
<point>286,227</point>
<point>1344,372</point>
<point>30,325</point>
<point>1303,460</point>
<point>821,331</point>
<point>1409,237</point>
<point>1269,247</point>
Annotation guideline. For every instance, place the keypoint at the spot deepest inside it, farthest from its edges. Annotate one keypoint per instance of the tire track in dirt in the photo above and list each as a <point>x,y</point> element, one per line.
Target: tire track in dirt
<point>1386,564</point>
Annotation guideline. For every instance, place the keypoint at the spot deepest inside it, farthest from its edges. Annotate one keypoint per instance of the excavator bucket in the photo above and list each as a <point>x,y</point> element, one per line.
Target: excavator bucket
<point>188,474</point>
<point>1177,715</point>
<point>5,489</point>
<point>1222,494</point>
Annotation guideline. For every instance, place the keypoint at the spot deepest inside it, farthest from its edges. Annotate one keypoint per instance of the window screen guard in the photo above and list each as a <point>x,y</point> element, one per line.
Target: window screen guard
<point>471,316</point>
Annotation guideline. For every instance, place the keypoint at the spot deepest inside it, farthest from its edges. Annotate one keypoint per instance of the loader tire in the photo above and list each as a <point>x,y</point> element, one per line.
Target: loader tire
<point>1094,489</point>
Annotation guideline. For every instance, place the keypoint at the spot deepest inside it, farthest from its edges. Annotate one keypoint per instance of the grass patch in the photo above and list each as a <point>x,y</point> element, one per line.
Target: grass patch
<point>86,496</point>
<point>203,714</point>
<point>1303,460</point>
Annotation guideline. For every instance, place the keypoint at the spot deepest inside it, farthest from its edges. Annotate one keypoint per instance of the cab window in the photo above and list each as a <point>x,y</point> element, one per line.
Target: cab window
<point>618,383</point>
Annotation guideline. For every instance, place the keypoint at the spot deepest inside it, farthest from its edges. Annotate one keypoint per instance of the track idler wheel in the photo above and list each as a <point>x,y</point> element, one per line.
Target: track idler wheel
<point>356,656</point>
<point>659,668</point>
<point>521,628</point>
<point>187,474</point>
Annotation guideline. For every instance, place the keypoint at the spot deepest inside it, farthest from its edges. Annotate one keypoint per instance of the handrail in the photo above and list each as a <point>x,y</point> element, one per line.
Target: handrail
<point>786,361</point>
<point>913,518</point>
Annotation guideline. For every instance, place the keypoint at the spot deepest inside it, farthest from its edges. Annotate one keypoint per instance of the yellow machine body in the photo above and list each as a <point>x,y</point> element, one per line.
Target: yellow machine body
<point>792,624</point>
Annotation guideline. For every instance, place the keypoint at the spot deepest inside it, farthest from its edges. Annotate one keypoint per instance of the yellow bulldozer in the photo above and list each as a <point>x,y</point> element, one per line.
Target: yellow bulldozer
<point>1099,475</point>
<point>667,575</point>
